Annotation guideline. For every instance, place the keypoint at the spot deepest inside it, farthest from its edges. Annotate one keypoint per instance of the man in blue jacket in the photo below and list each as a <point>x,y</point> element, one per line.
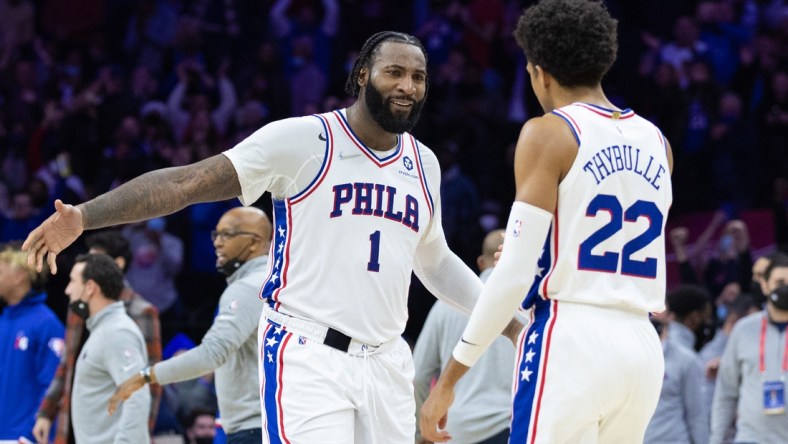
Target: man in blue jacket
<point>31,343</point>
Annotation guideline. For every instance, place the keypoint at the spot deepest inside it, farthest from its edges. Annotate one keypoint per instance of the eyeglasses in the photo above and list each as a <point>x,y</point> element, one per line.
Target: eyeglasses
<point>229,234</point>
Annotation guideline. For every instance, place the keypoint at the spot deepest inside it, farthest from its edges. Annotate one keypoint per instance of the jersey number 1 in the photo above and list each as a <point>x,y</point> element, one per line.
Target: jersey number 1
<point>374,252</point>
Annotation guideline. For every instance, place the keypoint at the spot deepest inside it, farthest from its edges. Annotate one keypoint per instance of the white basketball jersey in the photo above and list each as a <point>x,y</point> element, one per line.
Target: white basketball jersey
<point>607,241</point>
<point>343,248</point>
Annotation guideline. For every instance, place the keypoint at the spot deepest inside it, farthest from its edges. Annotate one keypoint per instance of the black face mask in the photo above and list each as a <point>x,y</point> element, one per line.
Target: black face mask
<point>779,298</point>
<point>202,440</point>
<point>229,267</point>
<point>80,308</point>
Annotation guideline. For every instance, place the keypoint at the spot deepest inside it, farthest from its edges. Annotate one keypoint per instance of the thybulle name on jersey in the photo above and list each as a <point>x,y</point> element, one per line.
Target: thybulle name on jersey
<point>369,199</point>
<point>614,159</point>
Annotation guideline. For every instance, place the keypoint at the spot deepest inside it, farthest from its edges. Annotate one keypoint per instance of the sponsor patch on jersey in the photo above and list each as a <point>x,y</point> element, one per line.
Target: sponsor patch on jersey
<point>408,163</point>
<point>518,228</point>
<point>57,345</point>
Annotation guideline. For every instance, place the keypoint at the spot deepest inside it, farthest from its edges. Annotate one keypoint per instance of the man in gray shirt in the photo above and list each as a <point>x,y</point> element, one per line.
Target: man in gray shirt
<point>242,238</point>
<point>482,410</point>
<point>114,351</point>
<point>751,378</point>
<point>681,416</point>
<point>691,307</point>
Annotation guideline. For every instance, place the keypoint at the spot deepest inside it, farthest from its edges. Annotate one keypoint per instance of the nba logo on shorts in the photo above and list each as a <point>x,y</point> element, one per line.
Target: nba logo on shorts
<point>518,228</point>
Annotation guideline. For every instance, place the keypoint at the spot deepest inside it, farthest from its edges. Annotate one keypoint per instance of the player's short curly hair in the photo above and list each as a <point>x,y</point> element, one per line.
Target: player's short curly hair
<point>573,40</point>
<point>370,49</point>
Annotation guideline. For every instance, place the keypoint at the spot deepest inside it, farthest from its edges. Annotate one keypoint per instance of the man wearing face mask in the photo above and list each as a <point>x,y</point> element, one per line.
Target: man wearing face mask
<point>242,238</point>
<point>691,308</point>
<point>750,385</point>
<point>114,351</point>
<point>56,402</point>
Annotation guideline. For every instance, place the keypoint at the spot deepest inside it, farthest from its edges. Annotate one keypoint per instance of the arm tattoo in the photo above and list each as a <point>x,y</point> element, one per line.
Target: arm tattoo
<point>162,192</point>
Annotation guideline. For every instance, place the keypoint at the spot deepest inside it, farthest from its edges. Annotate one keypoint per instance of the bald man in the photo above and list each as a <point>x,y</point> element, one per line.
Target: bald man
<point>241,239</point>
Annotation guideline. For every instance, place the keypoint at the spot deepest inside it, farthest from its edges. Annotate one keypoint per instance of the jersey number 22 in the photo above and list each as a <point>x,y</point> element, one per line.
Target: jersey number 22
<point>608,261</point>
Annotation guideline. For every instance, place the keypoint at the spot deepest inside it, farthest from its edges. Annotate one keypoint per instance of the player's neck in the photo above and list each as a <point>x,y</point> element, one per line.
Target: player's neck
<point>592,95</point>
<point>367,130</point>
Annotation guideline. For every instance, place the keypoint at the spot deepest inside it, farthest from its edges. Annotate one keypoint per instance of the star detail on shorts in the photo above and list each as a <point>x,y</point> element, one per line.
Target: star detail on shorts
<point>270,357</point>
<point>278,330</point>
<point>526,375</point>
<point>281,231</point>
<point>274,277</point>
<point>539,271</point>
<point>530,355</point>
<point>280,247</point>
<point>532,338</point>
<point>270,342</point>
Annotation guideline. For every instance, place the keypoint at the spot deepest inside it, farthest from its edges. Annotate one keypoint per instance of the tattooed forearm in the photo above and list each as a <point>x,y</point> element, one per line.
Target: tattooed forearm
<point>163,192</point>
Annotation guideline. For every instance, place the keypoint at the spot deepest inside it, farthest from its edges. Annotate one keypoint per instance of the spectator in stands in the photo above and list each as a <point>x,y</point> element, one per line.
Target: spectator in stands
<point>157,258</point>
<point>200,427</point>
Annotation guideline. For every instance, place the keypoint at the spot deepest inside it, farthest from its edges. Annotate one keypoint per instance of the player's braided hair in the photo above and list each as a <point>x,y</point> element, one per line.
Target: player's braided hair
<point>573,40</point>
<point>368,52</point>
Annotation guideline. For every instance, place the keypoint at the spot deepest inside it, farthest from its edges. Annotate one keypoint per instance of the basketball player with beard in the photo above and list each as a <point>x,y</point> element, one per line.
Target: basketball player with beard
<point>356,210</point>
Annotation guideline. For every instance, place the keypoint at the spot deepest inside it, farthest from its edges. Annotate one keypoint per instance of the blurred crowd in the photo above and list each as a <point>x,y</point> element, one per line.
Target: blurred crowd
<point>96,92</point>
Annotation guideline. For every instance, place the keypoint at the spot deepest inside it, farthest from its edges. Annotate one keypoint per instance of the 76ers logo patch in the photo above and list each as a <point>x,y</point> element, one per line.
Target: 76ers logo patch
<point>408,163</point>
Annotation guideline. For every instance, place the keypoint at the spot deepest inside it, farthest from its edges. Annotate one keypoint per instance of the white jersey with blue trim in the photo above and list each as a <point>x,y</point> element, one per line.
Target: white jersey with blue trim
<point>346,221</point>
<point>606,245</point>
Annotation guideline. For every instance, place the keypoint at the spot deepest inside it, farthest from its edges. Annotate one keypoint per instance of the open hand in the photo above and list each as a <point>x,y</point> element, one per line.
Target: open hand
<point>432,419</point>
<point>53,236</point>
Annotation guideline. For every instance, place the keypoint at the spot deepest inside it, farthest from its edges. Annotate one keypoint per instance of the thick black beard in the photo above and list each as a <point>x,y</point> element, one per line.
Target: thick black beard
<point>381,112</point>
